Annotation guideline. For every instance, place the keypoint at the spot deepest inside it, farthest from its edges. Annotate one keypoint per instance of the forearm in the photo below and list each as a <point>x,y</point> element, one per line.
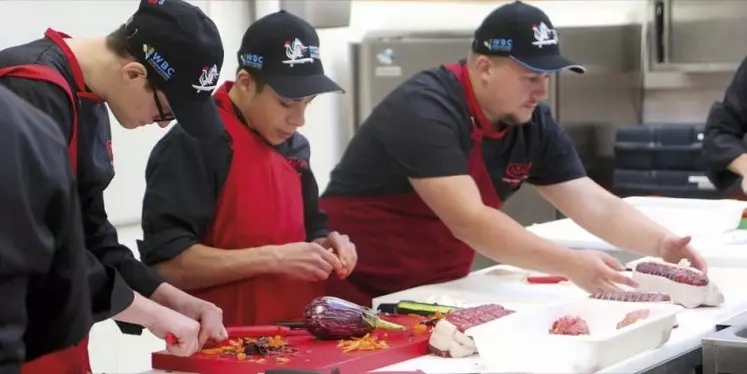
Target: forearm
<point>142,312</point>
<point>739,165</point>
<point>621,225</point>
<point>201,266</point>
<point>500,238</point>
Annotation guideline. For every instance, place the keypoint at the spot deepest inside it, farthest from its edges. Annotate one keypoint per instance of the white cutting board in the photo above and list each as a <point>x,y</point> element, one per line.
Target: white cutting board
<point>691,217</point>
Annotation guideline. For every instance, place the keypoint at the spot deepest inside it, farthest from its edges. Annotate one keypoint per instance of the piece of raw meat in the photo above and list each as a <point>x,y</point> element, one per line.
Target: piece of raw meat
<point>685,285</point>
<point>448,339</point>
<point>633,317</point>
<point>569,325</point>
<point>633,296</point>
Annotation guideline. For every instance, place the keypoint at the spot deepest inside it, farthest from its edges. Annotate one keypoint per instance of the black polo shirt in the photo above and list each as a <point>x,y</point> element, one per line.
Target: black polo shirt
<point>422,129</point>
<point>112,267</point>
<point>184,179</point>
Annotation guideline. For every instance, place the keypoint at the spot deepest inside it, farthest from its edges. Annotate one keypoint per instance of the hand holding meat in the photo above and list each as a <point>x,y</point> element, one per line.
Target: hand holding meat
<point>306,261</point>
<point>345,250</point>
<point>674,249</point>
<point>596,271</point>
<point>182,327</point>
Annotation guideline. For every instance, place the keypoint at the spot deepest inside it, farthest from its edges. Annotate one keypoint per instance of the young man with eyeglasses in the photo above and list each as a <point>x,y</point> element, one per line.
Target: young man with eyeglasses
<point>162,64</point>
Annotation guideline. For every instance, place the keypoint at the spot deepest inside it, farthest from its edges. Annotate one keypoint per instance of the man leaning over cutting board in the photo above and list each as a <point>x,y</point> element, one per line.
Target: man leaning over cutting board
<point>235,221</point>
<point>420,185</point>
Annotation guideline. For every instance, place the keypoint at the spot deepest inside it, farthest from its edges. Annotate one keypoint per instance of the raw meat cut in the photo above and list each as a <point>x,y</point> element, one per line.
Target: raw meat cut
<point>569,325</point>
<point>448,339</point>
<point>685,285</point>
<point>633,296</point>
<point>633,317</point>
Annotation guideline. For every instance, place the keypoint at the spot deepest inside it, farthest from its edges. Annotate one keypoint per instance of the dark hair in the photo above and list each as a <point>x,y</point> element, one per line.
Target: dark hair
<point>118,43</point>
<point>258,81</point>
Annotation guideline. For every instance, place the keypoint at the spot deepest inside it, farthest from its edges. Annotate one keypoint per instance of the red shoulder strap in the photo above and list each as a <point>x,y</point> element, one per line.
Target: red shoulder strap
<point>45,73</point>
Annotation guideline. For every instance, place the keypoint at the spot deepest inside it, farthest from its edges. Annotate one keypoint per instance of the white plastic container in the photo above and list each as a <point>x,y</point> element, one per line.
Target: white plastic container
<point>521,342</point>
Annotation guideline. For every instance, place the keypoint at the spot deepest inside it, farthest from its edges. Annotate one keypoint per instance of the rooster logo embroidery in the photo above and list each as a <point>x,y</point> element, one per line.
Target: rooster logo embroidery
<point>543,35</point>
<point>295,51</point>
<point>208,79</point>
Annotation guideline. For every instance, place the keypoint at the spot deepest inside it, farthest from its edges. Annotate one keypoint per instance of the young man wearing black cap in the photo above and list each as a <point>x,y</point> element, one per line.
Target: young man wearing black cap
<point>42,264</point>
<point>236,220</point>
<point>142,74</point>
<point>420,185</point>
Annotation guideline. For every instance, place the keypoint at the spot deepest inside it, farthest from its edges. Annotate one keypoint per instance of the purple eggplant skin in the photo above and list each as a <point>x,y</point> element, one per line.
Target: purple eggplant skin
<point>332,318</point>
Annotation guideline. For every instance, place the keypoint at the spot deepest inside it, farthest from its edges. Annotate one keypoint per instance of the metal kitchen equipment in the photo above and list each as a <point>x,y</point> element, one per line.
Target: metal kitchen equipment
<point>589,106</point>
<point>696,36</point>
<point>724,351</point>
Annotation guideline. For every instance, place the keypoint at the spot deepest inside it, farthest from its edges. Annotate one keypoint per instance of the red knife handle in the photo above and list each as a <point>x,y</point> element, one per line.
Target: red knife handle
<point>171,339</point>
<point>546,279</point>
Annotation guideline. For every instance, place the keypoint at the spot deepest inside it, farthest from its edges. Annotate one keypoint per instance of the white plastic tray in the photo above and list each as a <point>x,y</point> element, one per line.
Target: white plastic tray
<point>521,343</point>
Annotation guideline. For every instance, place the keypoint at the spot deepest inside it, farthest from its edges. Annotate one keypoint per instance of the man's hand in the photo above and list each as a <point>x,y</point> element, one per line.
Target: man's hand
<point>210,318</point>
<point>167,321</point>
<point>673,249</point>
<point>207,314</point>
<point>305,261</point>
<point>345,250</point>
<point>596,271</point>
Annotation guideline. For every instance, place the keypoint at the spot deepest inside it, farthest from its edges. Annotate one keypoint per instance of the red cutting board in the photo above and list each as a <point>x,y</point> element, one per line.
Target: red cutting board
<point>312,354</point>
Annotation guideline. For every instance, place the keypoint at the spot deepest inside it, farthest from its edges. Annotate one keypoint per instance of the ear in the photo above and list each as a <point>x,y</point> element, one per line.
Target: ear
<point>483,67</point>
<point>134,71</point>
<point>246,83</point>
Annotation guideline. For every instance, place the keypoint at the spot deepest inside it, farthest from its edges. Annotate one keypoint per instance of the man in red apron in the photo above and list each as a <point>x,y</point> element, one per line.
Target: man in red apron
<point>236,220</point>
<point>421,183</point>
<point>140,72</point>
<point>42,264</point>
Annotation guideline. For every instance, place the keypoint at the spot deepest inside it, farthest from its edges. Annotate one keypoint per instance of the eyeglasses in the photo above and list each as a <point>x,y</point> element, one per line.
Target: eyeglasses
<point>162,116</point>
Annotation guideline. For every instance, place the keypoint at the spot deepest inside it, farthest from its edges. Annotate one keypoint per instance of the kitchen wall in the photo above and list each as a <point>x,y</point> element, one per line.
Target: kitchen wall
<point>329,118</point>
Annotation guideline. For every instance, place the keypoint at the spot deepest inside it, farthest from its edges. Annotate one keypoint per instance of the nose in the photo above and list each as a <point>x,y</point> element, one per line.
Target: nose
<point>297,120</point>
<point>541,90</point>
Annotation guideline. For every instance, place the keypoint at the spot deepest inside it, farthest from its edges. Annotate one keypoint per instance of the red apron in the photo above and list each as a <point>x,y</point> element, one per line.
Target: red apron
<point>72,360</point>
<point>261,204</point>
<point>400,242</point>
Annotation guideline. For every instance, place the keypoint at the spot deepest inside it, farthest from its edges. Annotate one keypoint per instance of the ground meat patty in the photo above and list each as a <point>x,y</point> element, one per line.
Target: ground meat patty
<point>569,325</point>
<point>447,338</point>
<point>633,317</point>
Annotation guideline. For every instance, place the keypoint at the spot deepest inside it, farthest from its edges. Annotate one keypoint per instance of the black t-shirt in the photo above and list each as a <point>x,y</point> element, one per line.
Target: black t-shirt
<point>422,129</point>
<point>184,180</point>
<point>112,267</point>
<point>43,283</point>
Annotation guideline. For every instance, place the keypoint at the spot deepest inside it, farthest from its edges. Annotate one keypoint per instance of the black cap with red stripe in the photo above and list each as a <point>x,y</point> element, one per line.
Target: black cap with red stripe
<point>525,34</point>
<point>181,48</point>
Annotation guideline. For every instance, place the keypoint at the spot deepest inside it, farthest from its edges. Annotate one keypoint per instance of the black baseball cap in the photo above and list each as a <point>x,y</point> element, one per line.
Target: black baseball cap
<point>524,33</point>
<point>283,50</point>
<point>183,53</point>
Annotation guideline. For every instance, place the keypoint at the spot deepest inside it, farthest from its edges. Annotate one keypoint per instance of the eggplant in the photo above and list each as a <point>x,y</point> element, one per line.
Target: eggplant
<point>331,318</point>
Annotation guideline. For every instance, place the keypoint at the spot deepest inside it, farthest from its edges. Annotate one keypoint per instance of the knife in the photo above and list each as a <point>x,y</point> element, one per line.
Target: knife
<point>256,332</point>
<point>415,307</point>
